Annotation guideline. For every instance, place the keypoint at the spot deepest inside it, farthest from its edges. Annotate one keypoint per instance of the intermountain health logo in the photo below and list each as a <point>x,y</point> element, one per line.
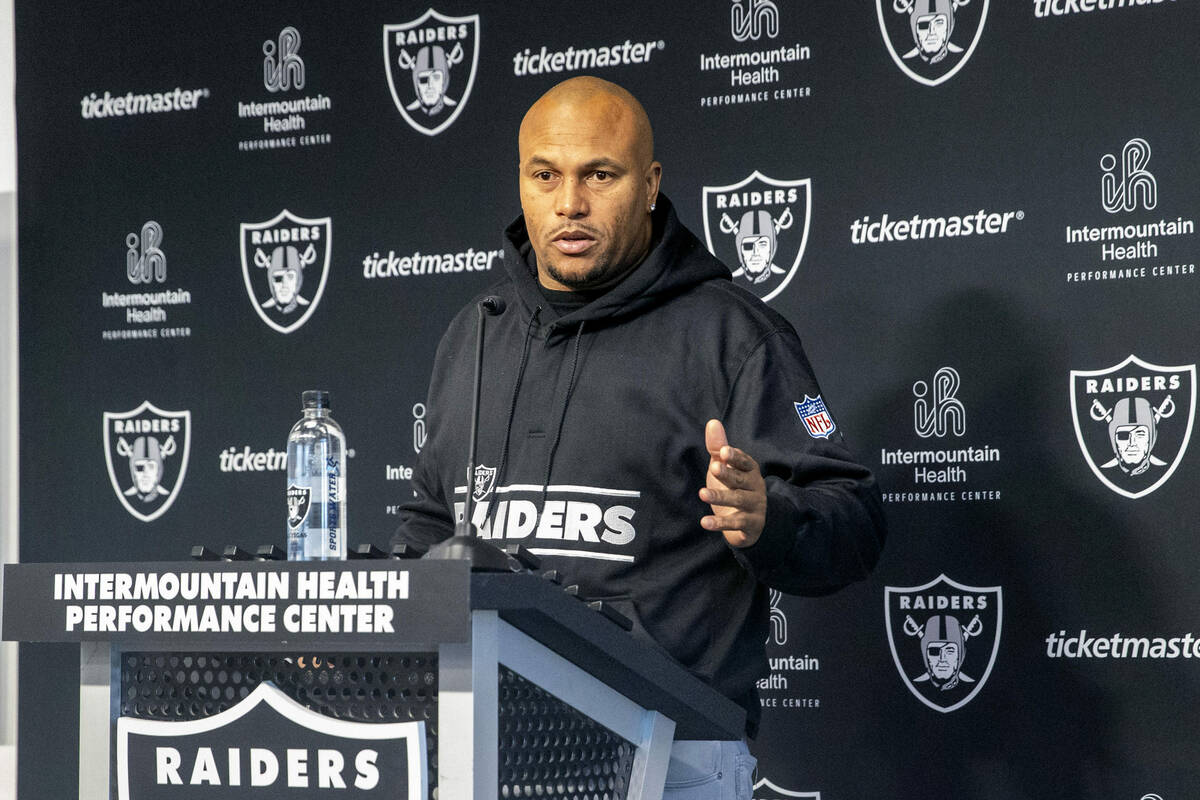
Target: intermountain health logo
<point>765,789</point>
<point>944,637</point>
<point>150,310</point>
<point>759,227</point>
<point>1138,239</point>
<point>146,451</point>
<point>430,64</point>
<point>282,119</point>
<point>1133,421</point>
<point>760,69</point>
<point>285,263</point>
<point>925,37</point>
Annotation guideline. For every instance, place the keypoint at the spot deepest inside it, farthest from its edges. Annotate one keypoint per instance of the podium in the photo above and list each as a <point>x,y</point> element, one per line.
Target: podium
<point>379,678</point>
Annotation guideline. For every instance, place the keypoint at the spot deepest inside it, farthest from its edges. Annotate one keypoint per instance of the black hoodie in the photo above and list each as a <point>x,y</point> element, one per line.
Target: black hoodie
<point>591,451</point>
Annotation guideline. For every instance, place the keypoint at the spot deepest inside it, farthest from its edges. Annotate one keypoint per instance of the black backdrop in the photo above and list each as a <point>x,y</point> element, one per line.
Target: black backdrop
<point>946,352</point>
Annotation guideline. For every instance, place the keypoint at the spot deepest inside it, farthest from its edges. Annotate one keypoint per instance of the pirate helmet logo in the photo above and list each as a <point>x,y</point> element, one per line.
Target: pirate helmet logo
<point>146,451</point>
<point>765,789</point>
<point>426,62</point>
<point>1133,422</point>
<point>758,224</point>
<point>933,628</point>
<point>285,263</point>
<point>924,36</point>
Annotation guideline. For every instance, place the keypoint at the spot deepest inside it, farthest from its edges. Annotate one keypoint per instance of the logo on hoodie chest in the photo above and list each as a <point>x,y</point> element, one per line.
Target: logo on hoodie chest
<point>759,228</point>
<point>574,521</point>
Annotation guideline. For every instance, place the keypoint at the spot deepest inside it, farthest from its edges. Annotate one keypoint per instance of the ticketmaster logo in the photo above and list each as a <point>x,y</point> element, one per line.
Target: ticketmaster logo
<point>528,62</point>
<point>1059,645</point>
<point>1045,8</point>
<point>900,229</point>
<point>94,106</point>
<point>233,459</point>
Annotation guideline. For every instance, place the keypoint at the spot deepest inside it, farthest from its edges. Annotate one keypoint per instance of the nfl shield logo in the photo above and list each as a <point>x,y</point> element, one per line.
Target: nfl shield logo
<point>924,36</point>
<point>430,65</point>
<point>146,451</point>
<point>817,420</point>
<point>285,263</point>
<point>944,637</point>
<point>759,228</point>
<point>1133,421</point>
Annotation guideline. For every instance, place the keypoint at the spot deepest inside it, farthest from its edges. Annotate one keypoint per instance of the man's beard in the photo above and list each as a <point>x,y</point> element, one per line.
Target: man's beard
<point>598,274</point>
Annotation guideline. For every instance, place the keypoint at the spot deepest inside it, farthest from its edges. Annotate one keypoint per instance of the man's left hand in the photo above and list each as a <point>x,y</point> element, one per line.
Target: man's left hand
<point>735,489</point>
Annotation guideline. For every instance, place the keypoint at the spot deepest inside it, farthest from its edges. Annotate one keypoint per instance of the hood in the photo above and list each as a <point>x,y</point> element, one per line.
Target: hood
<point>677,261</point>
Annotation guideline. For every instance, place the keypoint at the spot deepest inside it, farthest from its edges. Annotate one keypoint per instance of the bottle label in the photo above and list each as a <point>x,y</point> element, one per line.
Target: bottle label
<point>333,497</point>
<point>299,498</point>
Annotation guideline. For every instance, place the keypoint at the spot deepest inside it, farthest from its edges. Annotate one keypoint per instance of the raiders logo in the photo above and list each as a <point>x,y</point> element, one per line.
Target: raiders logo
<point>944,637</point>
<point>146,450</point>
<point>485,477</point>
<point>299,499</point>
<point>925,37</point>
<point>1133,421</point>
<point>764,789</point>
<point>430,65</point>
<point>759,227</point>
<point>285,263</point>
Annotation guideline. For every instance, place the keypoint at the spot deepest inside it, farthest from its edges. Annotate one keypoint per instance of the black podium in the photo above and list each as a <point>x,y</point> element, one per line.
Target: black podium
<point>375,678</point>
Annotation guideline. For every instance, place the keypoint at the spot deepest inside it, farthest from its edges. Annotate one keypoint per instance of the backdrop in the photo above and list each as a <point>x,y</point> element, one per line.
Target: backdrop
<point>982,223</point>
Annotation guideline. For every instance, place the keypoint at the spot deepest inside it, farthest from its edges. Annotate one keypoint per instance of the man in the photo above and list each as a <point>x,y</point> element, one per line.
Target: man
<point>932,22</point>
<point>942,644</point>
<point>1132,433</point>
<point>624,371</point>
<point>756,246</point>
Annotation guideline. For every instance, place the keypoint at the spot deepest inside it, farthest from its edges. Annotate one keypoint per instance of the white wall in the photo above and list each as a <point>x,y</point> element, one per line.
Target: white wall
<point>8,389</point>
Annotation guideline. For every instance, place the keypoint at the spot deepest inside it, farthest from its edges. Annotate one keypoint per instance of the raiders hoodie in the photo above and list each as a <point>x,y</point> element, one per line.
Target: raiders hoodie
<point>591,451</point>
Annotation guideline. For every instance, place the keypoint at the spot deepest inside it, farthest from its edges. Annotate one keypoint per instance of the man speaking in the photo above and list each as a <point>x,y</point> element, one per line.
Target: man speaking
<point>648,428</point>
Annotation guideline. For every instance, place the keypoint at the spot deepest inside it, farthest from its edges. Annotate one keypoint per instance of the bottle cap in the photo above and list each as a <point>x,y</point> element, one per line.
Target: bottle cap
<point>315,398</point>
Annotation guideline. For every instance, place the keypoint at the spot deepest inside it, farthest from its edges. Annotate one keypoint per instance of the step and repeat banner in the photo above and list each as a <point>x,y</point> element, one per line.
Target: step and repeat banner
<point>979,215</point>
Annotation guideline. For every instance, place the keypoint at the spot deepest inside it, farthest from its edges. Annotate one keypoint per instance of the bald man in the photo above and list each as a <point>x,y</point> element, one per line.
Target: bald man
<point>651,430</point>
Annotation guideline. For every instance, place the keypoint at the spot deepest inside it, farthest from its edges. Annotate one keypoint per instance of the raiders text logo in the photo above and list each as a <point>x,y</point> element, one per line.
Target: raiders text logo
<point>755,226</point>
<point>146,450</point>
<point>285,263</point>
<point>431,65</point>
<point>1133,421</point>
<point>944,637</point>
<point>925,36</point>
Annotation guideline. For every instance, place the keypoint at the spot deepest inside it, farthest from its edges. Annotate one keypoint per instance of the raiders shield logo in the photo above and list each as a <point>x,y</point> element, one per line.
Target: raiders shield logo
<point>1133,422</point>
<point>375,759</point>
<point>298,500</point>
<point>146,450</point>
<point>764,789</point>
<point>925,37</point>
<point>285,263</point>
<point>944,637</point>
<point>484,478</point>
<point>759,228</point>
<point>430,65</point>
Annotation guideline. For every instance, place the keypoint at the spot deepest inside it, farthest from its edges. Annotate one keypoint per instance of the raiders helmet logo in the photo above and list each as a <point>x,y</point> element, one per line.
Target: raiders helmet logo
<point>1133,422</point>
<point>285,263</point>
<point>759,228</point>
<point>430,65</point>
<point>146,451</point>
<point>925,36</point>
<point>944,637</point>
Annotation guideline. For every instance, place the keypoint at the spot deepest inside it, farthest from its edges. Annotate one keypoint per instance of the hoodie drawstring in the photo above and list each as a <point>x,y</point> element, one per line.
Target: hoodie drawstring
<point>562,417</point>
<point>512,409</point>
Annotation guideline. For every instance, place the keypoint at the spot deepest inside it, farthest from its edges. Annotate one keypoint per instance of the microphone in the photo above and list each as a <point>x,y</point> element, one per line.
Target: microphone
<point>464,544</point>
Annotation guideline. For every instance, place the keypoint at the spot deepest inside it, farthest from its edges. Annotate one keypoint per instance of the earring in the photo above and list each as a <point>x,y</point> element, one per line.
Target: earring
<point>652,206</point>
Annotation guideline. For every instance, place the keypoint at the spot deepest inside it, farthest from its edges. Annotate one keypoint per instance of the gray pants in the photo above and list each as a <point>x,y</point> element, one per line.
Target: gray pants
<point>710,770</point>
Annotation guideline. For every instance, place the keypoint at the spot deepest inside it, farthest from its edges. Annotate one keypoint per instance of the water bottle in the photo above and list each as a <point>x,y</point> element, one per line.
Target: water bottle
<point>316,492</point>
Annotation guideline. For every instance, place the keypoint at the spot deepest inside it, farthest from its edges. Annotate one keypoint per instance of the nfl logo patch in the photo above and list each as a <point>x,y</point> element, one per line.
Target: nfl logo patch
<point>816,417</point>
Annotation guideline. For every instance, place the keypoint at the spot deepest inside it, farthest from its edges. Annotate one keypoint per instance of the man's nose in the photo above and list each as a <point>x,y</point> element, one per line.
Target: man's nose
<point>572,200</point>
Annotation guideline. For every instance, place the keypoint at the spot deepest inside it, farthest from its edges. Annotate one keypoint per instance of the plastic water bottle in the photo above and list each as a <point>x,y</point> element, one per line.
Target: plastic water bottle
<point>316,492</point>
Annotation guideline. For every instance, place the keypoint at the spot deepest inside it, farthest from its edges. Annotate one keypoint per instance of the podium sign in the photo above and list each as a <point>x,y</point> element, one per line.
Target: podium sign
<point>242,603</point>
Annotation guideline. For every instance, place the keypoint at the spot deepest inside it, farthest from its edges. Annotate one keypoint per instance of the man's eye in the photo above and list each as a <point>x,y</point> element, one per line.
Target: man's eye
<point>544,175</point>
<point>601,175</point>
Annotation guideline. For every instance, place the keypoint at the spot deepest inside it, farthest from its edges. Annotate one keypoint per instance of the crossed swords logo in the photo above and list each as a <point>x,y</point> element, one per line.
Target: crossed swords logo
<point>972,629</point>
<point>730,227</point>
<point>1101,414</point>
<point>453,58</point>
<point>125,450</point>
<point>263,260</point>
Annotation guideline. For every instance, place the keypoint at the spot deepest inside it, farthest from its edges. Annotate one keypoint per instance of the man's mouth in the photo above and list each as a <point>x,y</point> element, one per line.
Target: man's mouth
<point>573,243</point>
